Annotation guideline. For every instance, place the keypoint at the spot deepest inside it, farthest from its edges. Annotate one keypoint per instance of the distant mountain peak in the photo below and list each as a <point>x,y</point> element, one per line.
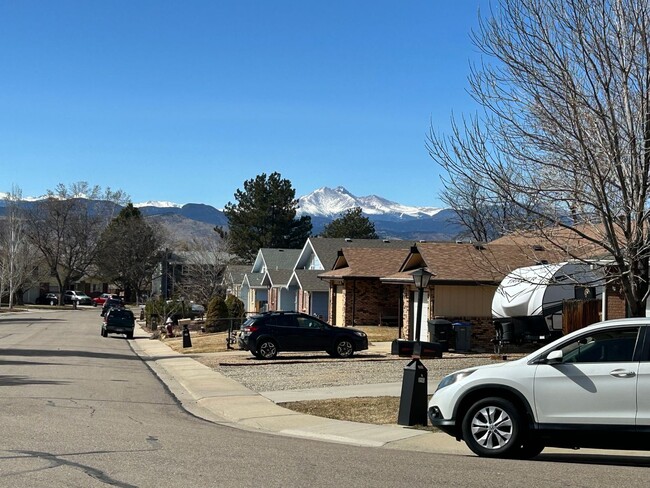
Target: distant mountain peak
<point>328,202</point>
<point>159,204</point>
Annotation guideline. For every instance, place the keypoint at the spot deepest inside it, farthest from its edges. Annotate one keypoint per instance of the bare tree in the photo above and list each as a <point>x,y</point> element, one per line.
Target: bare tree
<point>17,256</point>
<point>563,137</point>
<point>66,226</point>
<point>203,267</point>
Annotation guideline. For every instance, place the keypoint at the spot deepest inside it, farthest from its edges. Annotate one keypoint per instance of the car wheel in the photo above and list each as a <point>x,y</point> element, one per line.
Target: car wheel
<point>104,333</point>
<point>94,304</point>
<point>267,349</point>
<point>52,303</point>
<point>129,335</point>
<point>344,348</point>
<point>493,427</point>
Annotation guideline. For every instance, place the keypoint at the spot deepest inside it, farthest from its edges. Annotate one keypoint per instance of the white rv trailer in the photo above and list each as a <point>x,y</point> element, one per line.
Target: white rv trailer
<point>527,306</point>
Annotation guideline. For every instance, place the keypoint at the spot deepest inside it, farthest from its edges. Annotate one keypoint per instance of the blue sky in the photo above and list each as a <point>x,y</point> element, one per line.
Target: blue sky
<point>184,101</point>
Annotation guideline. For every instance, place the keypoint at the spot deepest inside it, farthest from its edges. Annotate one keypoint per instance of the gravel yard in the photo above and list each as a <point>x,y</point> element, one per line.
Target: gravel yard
<point>303,370</point>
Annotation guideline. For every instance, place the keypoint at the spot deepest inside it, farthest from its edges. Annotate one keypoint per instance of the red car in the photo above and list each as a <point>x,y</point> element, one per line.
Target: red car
<point>103,297</point>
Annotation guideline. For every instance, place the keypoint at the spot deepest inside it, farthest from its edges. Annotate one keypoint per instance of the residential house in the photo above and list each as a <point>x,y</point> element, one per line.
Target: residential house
<point>369,285</point>
<point>317,256</point>
<point>267,283</point>
<point>464,280</point>
<point>357,294</point>
<point>233,279</point>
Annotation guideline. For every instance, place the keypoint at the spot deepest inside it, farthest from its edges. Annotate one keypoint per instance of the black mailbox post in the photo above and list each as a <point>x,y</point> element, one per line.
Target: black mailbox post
<point>187,340</point>
<point>413,400</point>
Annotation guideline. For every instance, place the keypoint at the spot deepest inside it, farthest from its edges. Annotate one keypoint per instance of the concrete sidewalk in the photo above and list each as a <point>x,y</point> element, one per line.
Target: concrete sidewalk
<point>217,398</point>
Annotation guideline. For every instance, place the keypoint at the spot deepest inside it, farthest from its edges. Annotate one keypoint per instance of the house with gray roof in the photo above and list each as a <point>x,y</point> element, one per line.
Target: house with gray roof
<point>318,255</point>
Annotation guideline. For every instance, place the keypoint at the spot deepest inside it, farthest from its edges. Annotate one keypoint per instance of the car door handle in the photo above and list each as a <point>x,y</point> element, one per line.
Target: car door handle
<point>622,373</point>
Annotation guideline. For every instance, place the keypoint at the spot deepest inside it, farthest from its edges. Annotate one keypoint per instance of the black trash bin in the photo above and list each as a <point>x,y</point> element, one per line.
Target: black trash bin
<point>463,333</point>
<point>440,330</point>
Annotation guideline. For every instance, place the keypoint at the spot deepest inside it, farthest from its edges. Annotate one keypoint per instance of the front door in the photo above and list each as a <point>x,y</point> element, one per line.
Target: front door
<point>595,383</point>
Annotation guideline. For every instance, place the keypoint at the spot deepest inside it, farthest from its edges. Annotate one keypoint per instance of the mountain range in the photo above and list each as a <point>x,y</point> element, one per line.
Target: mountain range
<point>392,220</point>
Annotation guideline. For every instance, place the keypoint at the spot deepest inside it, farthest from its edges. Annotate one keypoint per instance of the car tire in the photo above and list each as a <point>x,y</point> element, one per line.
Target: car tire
<point>344,348</point>
<point>104,333</point>
<point>51,303</point>
<point>129,335</point>
<point>493,427</point>
<point>267,349</point>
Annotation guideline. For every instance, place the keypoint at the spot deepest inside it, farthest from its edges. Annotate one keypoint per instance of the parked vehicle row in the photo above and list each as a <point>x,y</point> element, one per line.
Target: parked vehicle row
<point>47,299</point>
<point>268,333</point>
<point>72,296</point>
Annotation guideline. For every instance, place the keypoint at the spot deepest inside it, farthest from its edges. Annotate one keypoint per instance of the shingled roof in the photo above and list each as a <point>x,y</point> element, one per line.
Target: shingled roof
<point>366,263</point>
<point>327,248</point>
<point>473,263</point>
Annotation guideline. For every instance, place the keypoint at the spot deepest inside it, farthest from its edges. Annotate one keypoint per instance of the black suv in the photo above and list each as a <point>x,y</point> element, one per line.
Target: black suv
<point>118,321</point>
<point>265,334</point>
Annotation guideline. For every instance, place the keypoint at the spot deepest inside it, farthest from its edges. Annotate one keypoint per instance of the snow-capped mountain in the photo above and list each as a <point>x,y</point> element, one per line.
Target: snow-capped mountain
<point>159,204</point>
<point>331,203</point>
<point>391,219</point>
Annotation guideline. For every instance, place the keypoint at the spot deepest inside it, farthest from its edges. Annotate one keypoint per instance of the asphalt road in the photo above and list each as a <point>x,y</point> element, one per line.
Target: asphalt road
<point>79,410</point>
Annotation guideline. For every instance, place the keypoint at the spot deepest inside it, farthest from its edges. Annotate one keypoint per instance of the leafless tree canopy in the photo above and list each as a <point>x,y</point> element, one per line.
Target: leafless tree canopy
<point>66,227</point>
<point>563,138</point>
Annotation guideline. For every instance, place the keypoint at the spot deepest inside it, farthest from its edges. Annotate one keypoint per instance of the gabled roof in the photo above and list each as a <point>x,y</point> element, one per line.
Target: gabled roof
<point>326,248</point>
<point>277,277</point>
<point>472,263</point>
<point>366,263</point>
<point>270,259</point>
<point>308,280</point>
<point>235,273</point>
<point>253,280</point>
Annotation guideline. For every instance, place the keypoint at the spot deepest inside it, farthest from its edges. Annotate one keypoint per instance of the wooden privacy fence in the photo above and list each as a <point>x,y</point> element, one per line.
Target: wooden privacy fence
<point>577,314</point>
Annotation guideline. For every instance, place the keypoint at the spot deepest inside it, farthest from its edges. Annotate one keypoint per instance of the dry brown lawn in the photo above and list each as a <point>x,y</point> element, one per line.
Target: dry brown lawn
<point>369,410</point>
<point>203,342</point>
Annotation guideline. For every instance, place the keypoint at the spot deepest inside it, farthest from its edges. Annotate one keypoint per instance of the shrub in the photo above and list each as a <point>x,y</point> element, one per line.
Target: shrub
<point>216,314</point>
<point>235,307</point>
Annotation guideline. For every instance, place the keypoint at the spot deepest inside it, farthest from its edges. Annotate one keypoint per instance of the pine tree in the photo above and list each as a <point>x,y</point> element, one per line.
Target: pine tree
<point>352,224</point>
<point>265,216</point>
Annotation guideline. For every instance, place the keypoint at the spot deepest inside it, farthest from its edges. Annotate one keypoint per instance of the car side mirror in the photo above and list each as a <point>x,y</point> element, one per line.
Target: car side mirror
<point>554,357</point>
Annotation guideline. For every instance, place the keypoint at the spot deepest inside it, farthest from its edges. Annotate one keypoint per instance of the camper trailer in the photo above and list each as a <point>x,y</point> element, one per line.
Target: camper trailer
<point>527,306</point>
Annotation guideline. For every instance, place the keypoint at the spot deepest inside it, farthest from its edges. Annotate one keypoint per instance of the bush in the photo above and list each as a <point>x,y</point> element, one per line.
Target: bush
<point>217,314</point>
<point>235,307</point>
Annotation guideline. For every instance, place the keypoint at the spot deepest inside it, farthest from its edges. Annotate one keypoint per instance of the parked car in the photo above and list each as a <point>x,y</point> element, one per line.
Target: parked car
<point>268,333</point>
<point>118,321</point>
<point>586,389</point>
<point>70,296</point>
<point>101,299</point>
<point>47,299</point>
<point>111,303</point>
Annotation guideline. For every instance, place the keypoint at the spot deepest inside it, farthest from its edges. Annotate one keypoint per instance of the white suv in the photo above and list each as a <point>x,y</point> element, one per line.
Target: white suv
<point>590,388</point>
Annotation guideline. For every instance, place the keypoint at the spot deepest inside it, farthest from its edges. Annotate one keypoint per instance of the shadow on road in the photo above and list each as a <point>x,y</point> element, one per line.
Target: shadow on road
<point>9,380</point>
<point>31,319</point>
<point>602,459</point>
<point>43,353</point>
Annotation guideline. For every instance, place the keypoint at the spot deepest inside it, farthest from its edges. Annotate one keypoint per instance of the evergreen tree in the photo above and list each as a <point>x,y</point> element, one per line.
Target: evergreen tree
<point>352,224</point>
<point>128,251</point>
<point>265,216</point>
